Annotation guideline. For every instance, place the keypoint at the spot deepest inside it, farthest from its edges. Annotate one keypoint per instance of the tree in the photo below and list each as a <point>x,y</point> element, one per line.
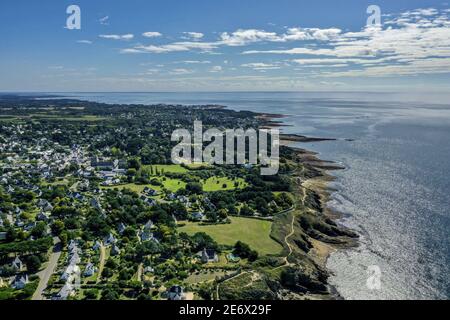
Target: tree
<point>243,250</point>
<point>111,263</point>
<point>11,234</point>
<point>246,211</point>
<point>125,274</point>
<point>131,173</point>
<point>98,226</point>
<point>107,272</point>
<point>134,163</point>
<point>261,205</point>
<point>194,188</point>
<point>64,211</point>
<point>212,216</point>
<point>232,210</point>
<point>110,294</point>
<point>284,200</point>
<point>223,214</point>
<point>91,294</point>
<point>63,237</point>
<point>58,227</point>
<point>33,263</point>
<point>144,296</point>
<point>39,230</point>
<point>201,240</point>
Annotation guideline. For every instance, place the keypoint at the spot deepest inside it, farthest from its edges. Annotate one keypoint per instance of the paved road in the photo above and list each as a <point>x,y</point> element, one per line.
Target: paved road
<point>45,274</point>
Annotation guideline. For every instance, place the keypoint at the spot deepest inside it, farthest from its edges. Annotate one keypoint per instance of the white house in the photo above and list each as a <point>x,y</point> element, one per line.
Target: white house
<point>121,228</point>
<point>97,245</point>
<point>176,293</point>
<point>42,216</point>
<point>65,292</point>
<point>110,240</point>
<point>198,216</point>
<point>90,270</point>
<point>17,264</point>
<point>208,256</point>
<point>115,251</point>
<point>149,225</point>
<point>20,282</point>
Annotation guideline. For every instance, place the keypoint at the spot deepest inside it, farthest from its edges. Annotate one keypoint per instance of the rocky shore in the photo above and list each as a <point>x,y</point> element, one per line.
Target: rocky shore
<point>315,231</point>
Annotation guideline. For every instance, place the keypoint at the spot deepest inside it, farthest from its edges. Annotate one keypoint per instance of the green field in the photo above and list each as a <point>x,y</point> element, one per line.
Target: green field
<point>166,168</point>
<point>254,232</point>
<point>204,276</point>
<point>172,185</point>
<point>217,184</point>
<point>194,166</point>
<point>50,116</point>
<point>211,185</point>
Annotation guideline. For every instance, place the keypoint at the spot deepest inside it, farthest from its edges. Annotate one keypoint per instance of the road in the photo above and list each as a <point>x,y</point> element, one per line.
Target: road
<point>140,272</point>
<point>45,274</point>
<point>102,262</point>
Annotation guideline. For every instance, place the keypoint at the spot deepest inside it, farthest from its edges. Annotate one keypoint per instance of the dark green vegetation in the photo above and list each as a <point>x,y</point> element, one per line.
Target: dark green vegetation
<point>98,179</point>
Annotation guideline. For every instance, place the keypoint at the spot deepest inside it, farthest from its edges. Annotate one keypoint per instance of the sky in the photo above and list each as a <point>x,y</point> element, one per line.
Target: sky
<point>225,45</point>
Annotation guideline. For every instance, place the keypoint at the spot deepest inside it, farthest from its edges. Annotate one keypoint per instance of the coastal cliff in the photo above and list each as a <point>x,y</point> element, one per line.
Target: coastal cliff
<point>307,232</point>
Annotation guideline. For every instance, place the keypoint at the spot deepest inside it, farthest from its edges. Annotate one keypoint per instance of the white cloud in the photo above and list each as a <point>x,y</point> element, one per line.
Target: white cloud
<point>261,66</point>
<point>104,20</point>
<point>420,12</point>
<point>149,72</point>
<point>216,69</point>
<point>176,47</point>
<point>403,47</point>
<point>130,50</point>
<point>193,35</point>
<point>195,62</point>
<point>152,34</point>
<point>85,41</point>
<point>181,71</point>
<point>242,37</point>
<point>428,66</point>
<point>128,36</point>
<point>302,34</point>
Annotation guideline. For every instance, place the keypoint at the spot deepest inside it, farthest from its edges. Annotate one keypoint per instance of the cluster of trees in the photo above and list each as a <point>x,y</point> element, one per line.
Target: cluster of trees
<point>244,251</point>
<point>26,247</point>
<point>33,263</point>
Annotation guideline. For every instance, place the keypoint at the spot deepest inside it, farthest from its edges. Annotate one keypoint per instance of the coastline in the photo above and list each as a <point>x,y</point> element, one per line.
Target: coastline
<point>319,186</point>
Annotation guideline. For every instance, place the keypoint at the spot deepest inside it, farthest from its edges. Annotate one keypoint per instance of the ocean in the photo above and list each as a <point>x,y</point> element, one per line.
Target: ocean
<point>394,191</point>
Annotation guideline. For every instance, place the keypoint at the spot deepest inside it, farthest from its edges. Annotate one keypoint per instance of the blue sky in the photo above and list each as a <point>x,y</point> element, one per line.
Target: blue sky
<point>204,45</point>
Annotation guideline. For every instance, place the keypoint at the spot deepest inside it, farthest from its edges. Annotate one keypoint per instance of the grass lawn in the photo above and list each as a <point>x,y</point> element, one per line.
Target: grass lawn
<point>255,233</point>
<point>172,185</point>
<point>203,276</point>
<point>194,166</point>
<point>8,118</point>
<point>217,184</point>
<point>67,117</point>
<point>58,182</point>
<point>131,186</point>
<point>166,168</point>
